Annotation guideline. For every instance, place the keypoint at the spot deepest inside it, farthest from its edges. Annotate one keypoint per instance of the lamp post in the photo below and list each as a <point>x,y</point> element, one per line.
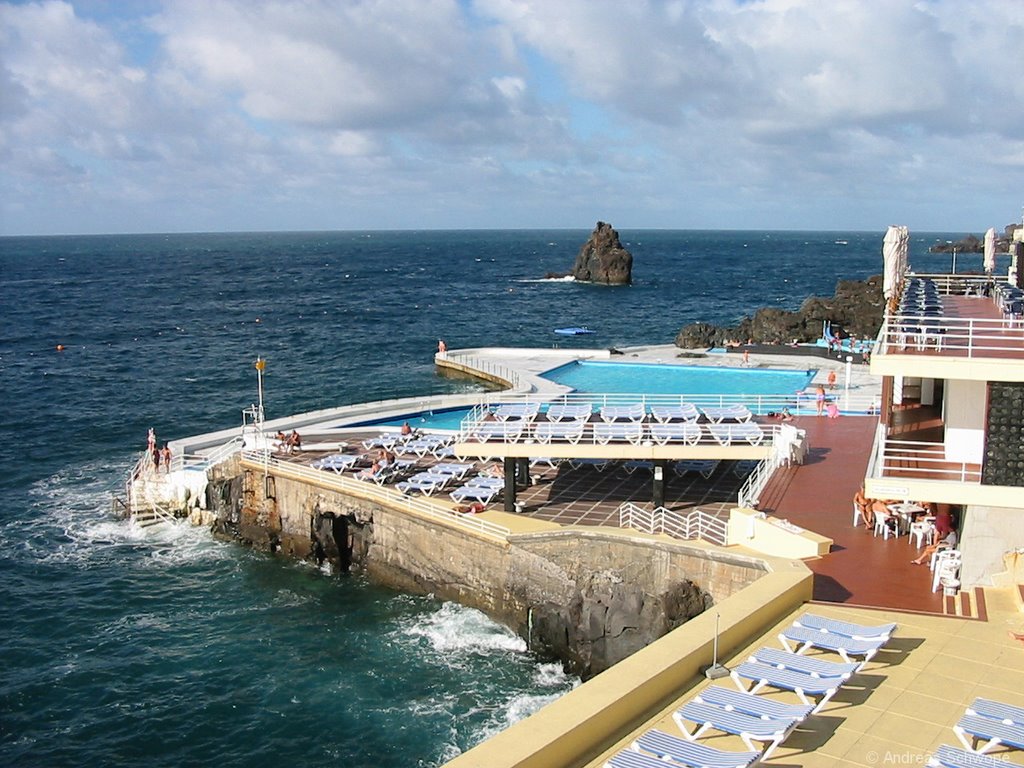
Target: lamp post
<point>259,365</point>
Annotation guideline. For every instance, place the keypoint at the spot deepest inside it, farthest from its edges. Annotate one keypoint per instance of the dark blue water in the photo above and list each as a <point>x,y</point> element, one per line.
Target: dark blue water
<point>169,648</point>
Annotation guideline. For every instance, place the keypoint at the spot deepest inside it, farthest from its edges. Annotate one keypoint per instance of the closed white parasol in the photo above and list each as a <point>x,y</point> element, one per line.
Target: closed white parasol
<point>894,260</point>
<point>990,251</point>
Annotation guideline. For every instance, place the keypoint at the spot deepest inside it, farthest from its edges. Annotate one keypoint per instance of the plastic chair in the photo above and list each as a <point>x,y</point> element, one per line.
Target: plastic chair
<point>947,567</point>
<point>882,524</point>
<point>921,529</point>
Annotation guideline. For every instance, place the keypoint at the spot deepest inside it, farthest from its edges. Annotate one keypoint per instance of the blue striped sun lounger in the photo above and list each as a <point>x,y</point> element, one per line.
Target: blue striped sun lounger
<point>800,683</point>
<point>730,434</point>
<point>749,728</point>
<point>631,412</point>
<point>706,467</point>
<point>507,411</point>
<point>483,494</point>
<point>337,463</point>
<point>727,413</point>
<point>997,710</point>
<point>954,757</point>
<point>860,631</point>
<point>681,412</point>
<point>691,753</point>
<point>632,432</point>
<point>453,469</point>
<point>811,665</point>
<point>424,482</point>
<point>802,638</point>
<point>570,431</point>
<point>989,733</point>
<point>757,706</point>
<point>569,412</point>
<point>509,431</point>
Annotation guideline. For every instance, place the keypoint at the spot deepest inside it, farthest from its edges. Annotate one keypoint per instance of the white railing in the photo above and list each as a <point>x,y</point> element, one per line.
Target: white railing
<point>381,494</point>
<point>954,336</point>
<point>956,285</point>
<point>483,365</point>
<point>697,524</point>
<point>750,492</point>
<point>924,461</point>
<point>206,460</point>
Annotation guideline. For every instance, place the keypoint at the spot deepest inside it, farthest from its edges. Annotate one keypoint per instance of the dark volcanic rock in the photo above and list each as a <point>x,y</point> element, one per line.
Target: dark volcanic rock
<point>856,308</point>
<point>602,259</point>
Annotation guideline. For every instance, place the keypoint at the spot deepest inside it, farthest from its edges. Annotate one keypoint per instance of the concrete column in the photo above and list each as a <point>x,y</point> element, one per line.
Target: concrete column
<point>659,482</point>
<point>523,472</point>
<point>510,484</point>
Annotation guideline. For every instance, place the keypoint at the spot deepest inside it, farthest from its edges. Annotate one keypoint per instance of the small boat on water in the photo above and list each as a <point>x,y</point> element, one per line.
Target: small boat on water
<point>573,331</point>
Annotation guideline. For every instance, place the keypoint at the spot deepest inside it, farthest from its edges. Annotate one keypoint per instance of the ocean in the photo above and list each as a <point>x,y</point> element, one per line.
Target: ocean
<point>165,647</point>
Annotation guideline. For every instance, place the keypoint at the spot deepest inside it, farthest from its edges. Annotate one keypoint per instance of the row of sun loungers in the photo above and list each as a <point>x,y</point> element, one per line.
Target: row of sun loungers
<point>633,432</point>
<point>629,412</point>
<point>984,726</point>
<point>762,723</point>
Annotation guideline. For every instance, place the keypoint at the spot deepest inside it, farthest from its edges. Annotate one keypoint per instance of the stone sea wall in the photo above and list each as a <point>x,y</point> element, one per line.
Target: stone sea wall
<point>586,597</point>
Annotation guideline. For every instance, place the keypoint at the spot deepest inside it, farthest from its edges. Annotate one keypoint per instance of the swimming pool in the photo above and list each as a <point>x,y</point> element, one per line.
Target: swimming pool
<point>448,418</point>
<point>655,379</point>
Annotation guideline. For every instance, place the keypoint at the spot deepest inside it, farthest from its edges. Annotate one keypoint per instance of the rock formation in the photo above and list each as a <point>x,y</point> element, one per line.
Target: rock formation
<point>856,307</point>
<point>602,259</point>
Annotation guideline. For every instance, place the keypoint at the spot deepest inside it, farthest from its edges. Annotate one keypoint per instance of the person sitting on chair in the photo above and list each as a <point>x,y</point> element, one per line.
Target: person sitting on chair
<point>949,542</point>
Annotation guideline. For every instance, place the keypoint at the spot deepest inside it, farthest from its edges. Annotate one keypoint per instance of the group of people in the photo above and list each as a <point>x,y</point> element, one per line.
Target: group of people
<point>288,443</point>
<point>383,460</point>
<point>944,534</point>
<point>158,455</point>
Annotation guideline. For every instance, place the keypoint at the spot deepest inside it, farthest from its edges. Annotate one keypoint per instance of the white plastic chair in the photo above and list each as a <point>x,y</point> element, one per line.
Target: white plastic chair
<point>947,567</point>
<point>882,524</point>
<point>921,529</point>
<point>856,514</point>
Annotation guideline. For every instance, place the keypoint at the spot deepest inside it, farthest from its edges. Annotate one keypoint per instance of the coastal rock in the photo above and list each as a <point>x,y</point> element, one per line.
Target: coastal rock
<point>602,259</point>
<point>856,307</point>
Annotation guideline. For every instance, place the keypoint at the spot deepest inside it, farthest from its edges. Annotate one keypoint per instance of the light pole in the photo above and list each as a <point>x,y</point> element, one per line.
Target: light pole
<point>259,365</point>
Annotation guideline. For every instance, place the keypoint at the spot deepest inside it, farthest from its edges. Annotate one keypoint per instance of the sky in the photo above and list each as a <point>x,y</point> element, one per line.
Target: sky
<point>239,115</point>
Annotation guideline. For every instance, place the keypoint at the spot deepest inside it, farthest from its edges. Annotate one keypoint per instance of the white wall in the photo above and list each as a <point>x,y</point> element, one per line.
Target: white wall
<point>987,534</point>
<point>964,408</point>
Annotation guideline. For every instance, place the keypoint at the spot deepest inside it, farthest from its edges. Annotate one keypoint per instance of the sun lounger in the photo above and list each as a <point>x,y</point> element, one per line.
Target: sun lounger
<point>599,464</point>
<point>681,412</point>
<point>632,432</point>
<point>569,431</point>
<point>990,733</point>
<point>803,638</point>
<point>631,412</point>
<point>508,431</point>
<point>682,752</point>
<point>953,757</point>
<point>387,473</point>
<point>452,469</point>
<point>637,465</point>
<point>997,710</point>
<point>485,481</point>
<point>676,432</point>
<point>466,493</point>
<point>424,482</point>
<point>383,440</point>
<point>569,412</point>
<point>810,665</point>
<point>802,684</point>
<point>749,728</point>
<point>735,412</point>
<point>706,467</point>
<point>520,411</point>
<point>758,706</point>
<point>548,460</point>
<point>860,631</point>
<point>730,434</point>
<point>744,468</point>
<point>336,463</point>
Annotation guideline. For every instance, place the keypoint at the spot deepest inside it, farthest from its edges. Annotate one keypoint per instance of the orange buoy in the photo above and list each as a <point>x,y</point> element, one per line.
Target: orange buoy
<point>60,347</point>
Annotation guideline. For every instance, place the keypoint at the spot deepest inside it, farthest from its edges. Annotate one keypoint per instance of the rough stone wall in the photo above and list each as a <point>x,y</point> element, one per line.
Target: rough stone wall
<point>587,599</point>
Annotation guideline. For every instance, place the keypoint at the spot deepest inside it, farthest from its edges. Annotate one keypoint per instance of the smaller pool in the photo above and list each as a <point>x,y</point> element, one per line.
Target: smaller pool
<point>657,379</point>
<point>448,418</point>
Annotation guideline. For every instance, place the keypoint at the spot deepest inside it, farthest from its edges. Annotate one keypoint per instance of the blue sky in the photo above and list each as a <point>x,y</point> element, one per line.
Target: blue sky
<point>784,114</point>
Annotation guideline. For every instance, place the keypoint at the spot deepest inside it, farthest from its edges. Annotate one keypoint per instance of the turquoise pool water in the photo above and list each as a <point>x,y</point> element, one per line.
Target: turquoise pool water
<point>654,379</point>
<point>449,418</point>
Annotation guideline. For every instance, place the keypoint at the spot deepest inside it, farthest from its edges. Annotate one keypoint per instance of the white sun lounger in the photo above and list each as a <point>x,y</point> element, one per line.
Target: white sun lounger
<point>483,481</point>
<point>336,463</point>
<point>860,631</point>
<point>706,467</point>
<point>636,465</point>
<point>802,638</point>
<point>954,757</point>
<point>569,412</point>
<point>682,752</point>
<point>452,469</point>
<point>811,665</point>
<point>424,482</point>
<point>466,493</point>
<point>548,431</point>
<point>730,434</point>
<point>631,412</point>
<point>749,728</point>
<point>681,412</point>
<point>508,431</point>
<point>988,732</point>
<point>599,464</point>
<point>758,706</point>
<point>675,431</point>
<point>523,411</point>
<point>735,412</point>
<point>802,684</point>
<point>632,432</point>
<point>383,440</point>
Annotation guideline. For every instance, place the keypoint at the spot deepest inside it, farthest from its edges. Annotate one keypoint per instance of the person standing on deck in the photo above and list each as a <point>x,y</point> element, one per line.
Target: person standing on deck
<point>165,455</point>
<point>831,379</point>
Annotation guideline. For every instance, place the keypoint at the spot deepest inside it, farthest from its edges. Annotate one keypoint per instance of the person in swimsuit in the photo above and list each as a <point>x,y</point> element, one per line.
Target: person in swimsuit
<point>820,399</point>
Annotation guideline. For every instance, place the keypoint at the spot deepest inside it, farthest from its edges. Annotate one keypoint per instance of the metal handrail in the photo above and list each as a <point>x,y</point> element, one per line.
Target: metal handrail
<point>496,370</point>
<point>973,337</point>
<point>697,524</point>
<point>925,456</point>
<point>374,492</point>
<point>750,492</point>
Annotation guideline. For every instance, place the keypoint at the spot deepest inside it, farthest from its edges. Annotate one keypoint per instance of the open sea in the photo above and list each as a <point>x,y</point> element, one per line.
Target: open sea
<point>167,648</point>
